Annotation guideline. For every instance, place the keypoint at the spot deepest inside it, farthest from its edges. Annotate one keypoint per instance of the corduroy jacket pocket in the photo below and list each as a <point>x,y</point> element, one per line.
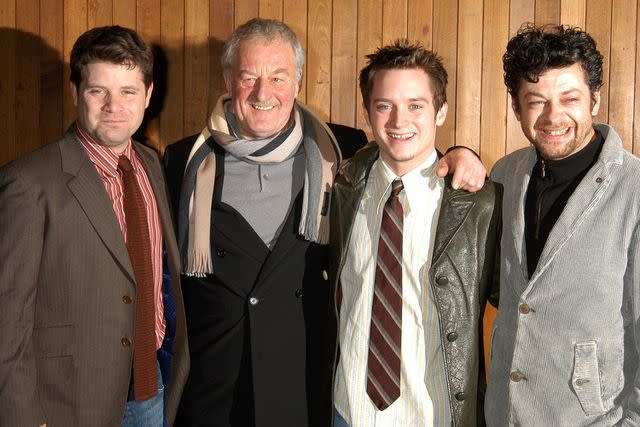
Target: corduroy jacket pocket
<point>585,380</point>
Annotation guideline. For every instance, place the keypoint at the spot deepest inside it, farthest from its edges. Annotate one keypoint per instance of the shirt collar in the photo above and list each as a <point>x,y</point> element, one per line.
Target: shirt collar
<point>415,181</point>
<point>105,158</point>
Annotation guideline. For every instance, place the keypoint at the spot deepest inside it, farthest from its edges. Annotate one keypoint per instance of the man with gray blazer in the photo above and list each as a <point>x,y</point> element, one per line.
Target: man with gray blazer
<point>91,313</point>
<point>565,346</point>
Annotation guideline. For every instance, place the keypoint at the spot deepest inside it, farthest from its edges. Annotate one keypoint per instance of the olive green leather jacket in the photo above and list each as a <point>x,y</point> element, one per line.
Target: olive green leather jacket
<point>463,267</point>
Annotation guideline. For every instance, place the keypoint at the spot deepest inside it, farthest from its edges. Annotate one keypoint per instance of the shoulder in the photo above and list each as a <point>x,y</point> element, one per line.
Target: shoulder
<point>176,155</point>
<point>511,163</point>
<point>349,139</point>
<point>40,164</point>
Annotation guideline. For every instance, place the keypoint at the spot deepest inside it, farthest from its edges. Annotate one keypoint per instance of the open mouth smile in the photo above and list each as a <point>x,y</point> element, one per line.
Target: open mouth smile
<point>401,136</point>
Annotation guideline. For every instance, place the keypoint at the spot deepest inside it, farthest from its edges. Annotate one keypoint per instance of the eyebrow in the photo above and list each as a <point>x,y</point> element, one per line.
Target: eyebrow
<point>277,71</point>
<point>566,92</point>
<point>410,100</point>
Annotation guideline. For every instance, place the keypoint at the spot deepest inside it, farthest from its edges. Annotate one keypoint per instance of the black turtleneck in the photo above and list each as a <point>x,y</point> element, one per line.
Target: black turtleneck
<point>552,183</point>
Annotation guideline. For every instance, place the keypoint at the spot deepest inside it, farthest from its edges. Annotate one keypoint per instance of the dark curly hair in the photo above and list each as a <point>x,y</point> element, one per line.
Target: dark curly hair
<point>536,49</point>
<point>403,55</point>
<point>114,44</point>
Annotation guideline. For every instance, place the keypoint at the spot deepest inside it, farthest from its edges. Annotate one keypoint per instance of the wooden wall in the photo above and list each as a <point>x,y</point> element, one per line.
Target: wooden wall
<point>36,36</point>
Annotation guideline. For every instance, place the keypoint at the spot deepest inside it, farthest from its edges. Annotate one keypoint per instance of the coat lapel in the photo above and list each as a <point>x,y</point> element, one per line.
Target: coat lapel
<point>87,188</point>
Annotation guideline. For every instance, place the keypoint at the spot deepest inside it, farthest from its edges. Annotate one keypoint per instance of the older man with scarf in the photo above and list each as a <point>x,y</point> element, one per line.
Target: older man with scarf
<point>252,194</point>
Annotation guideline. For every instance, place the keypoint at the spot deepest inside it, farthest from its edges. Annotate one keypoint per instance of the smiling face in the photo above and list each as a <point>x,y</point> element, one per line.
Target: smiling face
<point>403,118</point>
<point>263,86</point>
<point>556,113</point>
<point>110,102</point>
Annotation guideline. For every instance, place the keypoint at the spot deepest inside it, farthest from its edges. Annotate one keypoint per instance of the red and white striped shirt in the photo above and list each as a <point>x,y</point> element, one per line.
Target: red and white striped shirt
<point>106,162</point>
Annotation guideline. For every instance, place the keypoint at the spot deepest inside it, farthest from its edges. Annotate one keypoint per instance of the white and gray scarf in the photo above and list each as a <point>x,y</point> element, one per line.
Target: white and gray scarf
<point>196,198</point>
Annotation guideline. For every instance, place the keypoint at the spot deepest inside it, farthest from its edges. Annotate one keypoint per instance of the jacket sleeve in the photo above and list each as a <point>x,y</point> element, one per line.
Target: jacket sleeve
<point>631,405</point>
<point>22,222</point>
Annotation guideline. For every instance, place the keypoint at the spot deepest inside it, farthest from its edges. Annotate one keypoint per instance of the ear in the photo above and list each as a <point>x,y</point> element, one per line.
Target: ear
<point>514,107</point>
<point>227,83</point>
<point>74,93</point>
<point>442,114</point>
<point>148,97</point>
<point>595,101</point>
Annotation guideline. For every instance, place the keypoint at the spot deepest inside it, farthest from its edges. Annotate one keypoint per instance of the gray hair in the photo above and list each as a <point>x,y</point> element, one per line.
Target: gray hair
<point>257,28</point>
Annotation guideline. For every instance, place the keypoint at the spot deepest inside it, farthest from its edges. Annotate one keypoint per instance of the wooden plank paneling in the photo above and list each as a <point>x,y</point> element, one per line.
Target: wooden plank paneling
<point>467,125</point>
<point>521,11</point>
<point>319,54</point>
<point>343,60</point>
<point>598,24</point>
<point>52,82</point>
<point>99,13</point>
<point>245,10</point>
<point>9,148</point>
<point>547,12</point>
<point>148,24</point>
<point>27,97</point>
<point>622,84</point>
<point>271,9</point>
<point>219,31</point>
<point>169,76</point>
<point>124,13</point>
<point>369,39</point>
<point>636,112</point>
<point>196,65</point>
<point>494,93</point>
<point>573,12</point>
<point>445,41</point>
<point>295,16</point>
<point>75,23</point>
<point>394,20</point>
<point>419,22</point>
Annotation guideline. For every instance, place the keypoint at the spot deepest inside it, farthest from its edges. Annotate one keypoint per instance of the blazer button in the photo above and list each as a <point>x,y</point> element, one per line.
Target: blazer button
<point>126,299</point>
<point>460,396</point>
<point>325,275</point>
<point>524,309</point>
<point>452,336</point>
<point>298,293</point>
<point>517,376</point>
<point>254,301</point>
<point>221,253</point>
<point>442,280</point>
<point>126,342</point>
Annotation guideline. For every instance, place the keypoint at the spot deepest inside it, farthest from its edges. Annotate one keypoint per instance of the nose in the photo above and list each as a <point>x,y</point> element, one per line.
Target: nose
<point>112,103</point>
<point>397,118</point>
<point>261,90</point>
<point>553,112</point>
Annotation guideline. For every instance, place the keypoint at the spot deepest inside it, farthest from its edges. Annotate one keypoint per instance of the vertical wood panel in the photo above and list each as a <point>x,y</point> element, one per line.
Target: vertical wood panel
<point>598,24</point>
<point>445,40</point>
<point>245,10</point>
<point>547,12</point>
<point>28,75</point>
<point>99,13</point>
<point>271,9</point>
<point>369,39</point>
<point>75,23</point>
<point>220,29</point>
<point>52,71</point>
<point>148,24</point>
<point>343,69</point>
<point>636,112</point>
<point>494,93</point>
<point>419,25</point>
<point>469,74</point>
<point>319,53</point>
<point>622,86</point>
<point>394,20</point>
<point>9,147</point>
<point>124,13</point>
<point>196,64</point>
<point>171,86</point>
<point>295,16</point>
<point>573,12</point>
<point>521,11</point>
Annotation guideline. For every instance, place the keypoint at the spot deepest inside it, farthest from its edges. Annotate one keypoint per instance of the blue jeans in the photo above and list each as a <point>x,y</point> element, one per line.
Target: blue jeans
<point>148,413</point>
<point>338,421</point>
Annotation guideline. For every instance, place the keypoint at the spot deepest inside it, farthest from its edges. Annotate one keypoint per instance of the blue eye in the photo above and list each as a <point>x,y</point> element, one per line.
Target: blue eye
<point>415,106</point>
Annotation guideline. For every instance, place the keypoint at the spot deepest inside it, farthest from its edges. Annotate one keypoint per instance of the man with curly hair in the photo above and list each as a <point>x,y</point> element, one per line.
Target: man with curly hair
<point>565,347</point>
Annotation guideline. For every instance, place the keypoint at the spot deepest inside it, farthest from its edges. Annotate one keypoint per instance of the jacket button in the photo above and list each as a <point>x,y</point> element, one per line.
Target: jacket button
<point>460,396</point>
<point>442,280</point>
<point>298,293</point>
<point>581,381</point>
<point>599,180</point>
<point>254,301</point>
<point>325,275</point>
<point>452,336</point>
<point>126,342</point>
<point>221,253</point>
<point>524,309</point>
<point>517,376</point>
<point>126,299</point>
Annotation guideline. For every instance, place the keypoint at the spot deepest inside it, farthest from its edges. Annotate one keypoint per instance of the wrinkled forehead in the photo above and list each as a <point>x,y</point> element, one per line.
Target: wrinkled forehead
<point>272,49</point>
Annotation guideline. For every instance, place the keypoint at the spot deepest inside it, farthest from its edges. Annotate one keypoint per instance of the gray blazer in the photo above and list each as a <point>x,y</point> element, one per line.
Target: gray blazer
<point>66,285</point>
<point>565,344</point>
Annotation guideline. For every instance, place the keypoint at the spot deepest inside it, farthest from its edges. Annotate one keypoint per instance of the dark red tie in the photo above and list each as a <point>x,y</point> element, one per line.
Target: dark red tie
<point>145,374</point>
<point>383,366</point>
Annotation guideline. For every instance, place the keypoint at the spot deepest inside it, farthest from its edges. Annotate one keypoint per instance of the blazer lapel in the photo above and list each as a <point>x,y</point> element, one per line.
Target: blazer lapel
<point>453,211</point>
<point>87,188</point>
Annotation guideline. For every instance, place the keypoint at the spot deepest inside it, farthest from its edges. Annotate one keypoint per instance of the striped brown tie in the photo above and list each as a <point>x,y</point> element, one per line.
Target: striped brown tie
<point>383,368</point>
<point>145,374</point>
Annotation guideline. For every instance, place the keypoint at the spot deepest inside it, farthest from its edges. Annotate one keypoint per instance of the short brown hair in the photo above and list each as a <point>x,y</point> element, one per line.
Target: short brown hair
<point>114,44</point>
<point>403,55</point>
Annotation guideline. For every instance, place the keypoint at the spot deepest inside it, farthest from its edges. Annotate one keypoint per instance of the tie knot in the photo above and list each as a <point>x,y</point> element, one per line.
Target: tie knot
<point>124,164</point>
<point>396,187</point>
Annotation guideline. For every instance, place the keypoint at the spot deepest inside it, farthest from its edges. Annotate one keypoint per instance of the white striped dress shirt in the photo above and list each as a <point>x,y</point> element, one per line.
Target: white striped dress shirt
<point>423,397</point>
<point>105,161</point>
